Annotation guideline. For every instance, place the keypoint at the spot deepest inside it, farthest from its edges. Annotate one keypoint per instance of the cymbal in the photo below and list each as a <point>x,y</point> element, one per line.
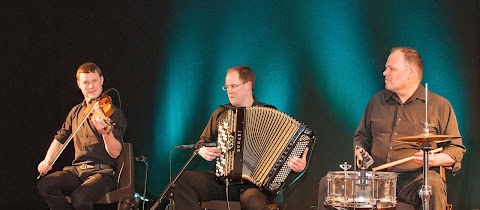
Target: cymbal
<point>426,138</point>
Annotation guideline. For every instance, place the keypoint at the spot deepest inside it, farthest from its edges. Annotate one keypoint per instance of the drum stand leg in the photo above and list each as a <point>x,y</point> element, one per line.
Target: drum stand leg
<point>426,190</point>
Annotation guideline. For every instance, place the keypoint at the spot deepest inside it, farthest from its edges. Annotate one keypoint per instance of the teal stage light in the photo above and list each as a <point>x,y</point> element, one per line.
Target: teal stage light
<point>341,47</point>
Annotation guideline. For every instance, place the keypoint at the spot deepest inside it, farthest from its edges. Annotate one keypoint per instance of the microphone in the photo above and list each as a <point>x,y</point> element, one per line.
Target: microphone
<point>367,161</point>
<point>185,146</point>
<point>366,157</point>
<point>141,159</point>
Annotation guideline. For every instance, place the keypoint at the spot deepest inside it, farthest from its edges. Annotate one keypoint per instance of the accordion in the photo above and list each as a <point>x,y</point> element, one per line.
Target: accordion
<point>256,144</point>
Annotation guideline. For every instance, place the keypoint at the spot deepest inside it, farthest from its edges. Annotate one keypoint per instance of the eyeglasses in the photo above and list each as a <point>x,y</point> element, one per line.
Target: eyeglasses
<point>232,87</point>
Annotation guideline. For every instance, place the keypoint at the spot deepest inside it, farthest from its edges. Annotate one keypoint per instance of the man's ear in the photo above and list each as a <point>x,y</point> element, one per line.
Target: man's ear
<point>412,72</point>
<point>250,84</point>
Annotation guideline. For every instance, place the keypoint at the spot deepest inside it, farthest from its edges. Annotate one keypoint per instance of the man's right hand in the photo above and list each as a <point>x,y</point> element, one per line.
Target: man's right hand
<point>209,153</point>
<point>44,167</point>
<point>360,158</point>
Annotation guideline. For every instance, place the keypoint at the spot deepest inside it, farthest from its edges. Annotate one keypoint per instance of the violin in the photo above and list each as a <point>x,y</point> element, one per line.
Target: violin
<point>101,107</point>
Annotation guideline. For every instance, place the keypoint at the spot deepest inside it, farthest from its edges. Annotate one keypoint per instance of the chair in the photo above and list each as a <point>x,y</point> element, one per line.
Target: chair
<point>126,179</point>
<point>220,205</point>
<point>444,177</point>
<point>125,192</point>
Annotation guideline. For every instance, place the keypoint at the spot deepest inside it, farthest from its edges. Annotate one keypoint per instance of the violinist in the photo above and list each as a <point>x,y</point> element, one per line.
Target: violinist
<point>97,138</point>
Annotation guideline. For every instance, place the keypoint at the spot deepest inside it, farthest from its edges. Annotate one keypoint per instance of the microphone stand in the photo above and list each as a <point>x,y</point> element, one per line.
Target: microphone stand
<point>171,185</point>
<point>363,169</point>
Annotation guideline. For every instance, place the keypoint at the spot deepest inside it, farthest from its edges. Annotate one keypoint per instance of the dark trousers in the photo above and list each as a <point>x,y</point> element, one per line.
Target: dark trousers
<point>83,186</point>
<point>408,186</point>
<point>195,186</point>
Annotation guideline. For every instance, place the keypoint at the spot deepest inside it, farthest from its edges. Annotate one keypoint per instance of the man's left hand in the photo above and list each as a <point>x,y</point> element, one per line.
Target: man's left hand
<point>100,125</point>
<point>439,159</point>
<point>298,164</point>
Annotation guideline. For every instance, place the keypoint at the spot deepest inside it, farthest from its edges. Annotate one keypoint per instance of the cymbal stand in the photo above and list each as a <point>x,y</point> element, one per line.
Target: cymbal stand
<point>426,189</point>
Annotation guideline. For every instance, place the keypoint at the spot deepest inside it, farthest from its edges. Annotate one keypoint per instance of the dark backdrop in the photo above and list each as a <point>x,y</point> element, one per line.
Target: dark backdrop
<point>43,43</point>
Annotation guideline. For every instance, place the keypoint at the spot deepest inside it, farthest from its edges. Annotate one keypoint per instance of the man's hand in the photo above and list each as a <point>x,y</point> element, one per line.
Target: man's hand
<point>209,153</point>
<point>101,125</point>
<point>439,159</point>
<point>44,167</point>
<point>359,157</point>
<point>298,164</point>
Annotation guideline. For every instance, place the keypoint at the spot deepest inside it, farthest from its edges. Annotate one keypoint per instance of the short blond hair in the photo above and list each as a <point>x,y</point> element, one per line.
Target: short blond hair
<point>412,57</point>
<point>88,67</point>
<point>245,74</point>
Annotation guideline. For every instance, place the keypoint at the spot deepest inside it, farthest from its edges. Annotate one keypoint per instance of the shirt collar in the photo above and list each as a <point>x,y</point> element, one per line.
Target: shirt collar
<point>255,103</point>
<point>418,94</point>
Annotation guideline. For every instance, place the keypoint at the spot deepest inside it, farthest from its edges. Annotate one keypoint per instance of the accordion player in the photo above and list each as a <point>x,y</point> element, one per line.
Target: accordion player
<point>256,143</point>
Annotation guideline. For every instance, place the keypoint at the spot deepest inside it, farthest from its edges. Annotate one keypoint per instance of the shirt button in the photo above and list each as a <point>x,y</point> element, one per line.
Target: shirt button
<point>395,133</point>
<point>391,148</point>
<point>399,119</point>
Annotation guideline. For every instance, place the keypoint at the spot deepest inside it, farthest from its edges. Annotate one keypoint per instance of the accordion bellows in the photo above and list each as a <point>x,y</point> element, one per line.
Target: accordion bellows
<point>257,143</point>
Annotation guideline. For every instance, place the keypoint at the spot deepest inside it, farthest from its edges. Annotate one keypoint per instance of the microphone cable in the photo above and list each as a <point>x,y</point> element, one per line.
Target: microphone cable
<point>145,185</point>
<point>227,183</point>
<point>119,105</point>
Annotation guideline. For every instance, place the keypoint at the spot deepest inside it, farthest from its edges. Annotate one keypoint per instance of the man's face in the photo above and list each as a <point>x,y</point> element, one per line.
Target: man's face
<point>90,84</point>
<point>237,90</point>
<point>396,72</point>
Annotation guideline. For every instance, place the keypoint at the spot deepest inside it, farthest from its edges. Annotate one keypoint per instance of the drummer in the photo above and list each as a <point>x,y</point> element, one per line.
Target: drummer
<point>399,111</point>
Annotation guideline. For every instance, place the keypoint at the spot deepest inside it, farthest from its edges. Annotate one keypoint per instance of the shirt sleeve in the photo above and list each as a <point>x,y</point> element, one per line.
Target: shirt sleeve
<point>120,124</point>
<point>363,134</point>
<point>64,132</point>
<point>210,131</point>
<point>455,148</point>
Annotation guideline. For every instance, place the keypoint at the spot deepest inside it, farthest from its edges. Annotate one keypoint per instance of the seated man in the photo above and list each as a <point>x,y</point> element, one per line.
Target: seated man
<point>195,186</point>
<point>97,145</point>
<point>399,111</point>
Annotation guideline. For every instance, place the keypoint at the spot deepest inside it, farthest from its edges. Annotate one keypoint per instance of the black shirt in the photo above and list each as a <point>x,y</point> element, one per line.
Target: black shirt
<point>88,143</point>
<point>210,132</point>
<point>387,118</point>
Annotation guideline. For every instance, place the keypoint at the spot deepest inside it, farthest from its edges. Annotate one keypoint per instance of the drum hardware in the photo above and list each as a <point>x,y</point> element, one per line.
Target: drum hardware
<point>347,190</point>
<point>345,168</point>
<point>425,140</point>
<point>366,161</point>
<point>378,189</point>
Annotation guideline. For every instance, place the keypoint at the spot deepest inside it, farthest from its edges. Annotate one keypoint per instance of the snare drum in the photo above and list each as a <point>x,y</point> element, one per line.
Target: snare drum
<point>348,189</point>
